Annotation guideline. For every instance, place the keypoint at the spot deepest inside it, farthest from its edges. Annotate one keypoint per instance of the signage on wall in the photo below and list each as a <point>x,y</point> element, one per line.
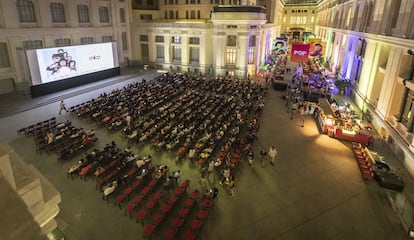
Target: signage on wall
<point>299,52</point>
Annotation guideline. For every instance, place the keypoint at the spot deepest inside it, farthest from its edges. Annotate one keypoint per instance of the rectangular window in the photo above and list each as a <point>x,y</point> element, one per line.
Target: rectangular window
<point>83,13</point>
<point>150,2</point>
<point>251,55</point>
<point>171,14</point>
<point>106,38</point>
<point>159,39</point>
<point>231,56</point>
<point>104,14</point>
<point>61,42</point>
<point>124,41</point>
<point>177,53</point>
<point>146,16</point>
<point>25,10</point>
<point>194,40</point>
<point>192,14</point>
<point>58,12</point>
<point>231,40</point>
<point>198,14</point>
<point>160,51</point>
<point>194,54</point>
<point>4,56</point>
<point>143,38</point>
<point>252,41</point>
<point>86,40</point>
<point>33,44</point>
<point>176,39</point>
<point>122,15</point>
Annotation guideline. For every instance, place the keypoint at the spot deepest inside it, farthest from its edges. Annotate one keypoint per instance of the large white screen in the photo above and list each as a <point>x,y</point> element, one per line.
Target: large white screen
<point>65,62</point>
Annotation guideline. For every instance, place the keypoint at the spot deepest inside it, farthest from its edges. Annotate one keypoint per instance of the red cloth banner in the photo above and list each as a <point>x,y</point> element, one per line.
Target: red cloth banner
<point>299,52</point>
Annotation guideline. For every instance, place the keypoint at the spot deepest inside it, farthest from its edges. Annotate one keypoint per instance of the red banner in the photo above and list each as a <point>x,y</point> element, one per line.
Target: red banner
<point>299,52</point>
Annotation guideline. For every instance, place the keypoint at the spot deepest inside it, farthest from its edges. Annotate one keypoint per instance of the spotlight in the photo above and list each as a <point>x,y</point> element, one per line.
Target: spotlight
<point>410,51</point>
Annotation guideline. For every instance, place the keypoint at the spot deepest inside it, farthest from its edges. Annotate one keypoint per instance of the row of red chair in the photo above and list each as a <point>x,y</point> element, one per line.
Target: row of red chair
<point>40,126</point>
<point>197,222</point>
<point>179,219</point>
<point>165,209</point>
<point>363,160</point>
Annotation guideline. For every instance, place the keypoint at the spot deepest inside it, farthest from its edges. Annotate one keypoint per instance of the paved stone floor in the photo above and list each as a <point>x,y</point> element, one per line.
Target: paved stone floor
<point>315,191</point>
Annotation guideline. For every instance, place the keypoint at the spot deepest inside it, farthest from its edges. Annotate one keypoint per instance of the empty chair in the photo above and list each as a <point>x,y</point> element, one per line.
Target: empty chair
<point>183,212</point>
<point>165,208</point>
<point>149,230</point>
<point>130,208</point>
<point>185,184</point>
<point>190,235</point>
<point>188,203</point>
<point>196,224</point>
<point>120,199</point>
<point>177,222</point>
<point>194,194</point>
<point>170,234</point>
<point>157,196</point>
<point>141,215</point>
<point>150,205</point>
<point>138,199</point>
<point>201,214</point>
<point>172,200</point>
<point>157,218</point>
<point>207,203</point>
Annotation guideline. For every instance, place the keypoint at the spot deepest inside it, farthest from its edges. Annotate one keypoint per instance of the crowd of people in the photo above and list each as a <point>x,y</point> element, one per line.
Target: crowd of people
<point>195,117</point>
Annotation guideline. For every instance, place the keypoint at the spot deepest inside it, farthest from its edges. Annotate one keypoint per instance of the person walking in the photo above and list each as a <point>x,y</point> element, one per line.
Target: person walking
<point>272,155</point>
<point>263,155</point>
<point>62,106</point>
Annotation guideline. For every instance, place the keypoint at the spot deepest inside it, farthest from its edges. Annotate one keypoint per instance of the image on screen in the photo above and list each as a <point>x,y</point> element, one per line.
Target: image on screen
<point>65,62</point>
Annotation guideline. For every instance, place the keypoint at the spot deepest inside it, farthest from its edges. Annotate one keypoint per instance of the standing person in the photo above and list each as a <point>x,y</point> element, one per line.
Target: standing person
<point>272,154</point>
<point>250,157</point>
<point>62,106</point>
<point>210,169</point>
<point>226,175</point>
<point>230,183</point>
<point>263,155</point>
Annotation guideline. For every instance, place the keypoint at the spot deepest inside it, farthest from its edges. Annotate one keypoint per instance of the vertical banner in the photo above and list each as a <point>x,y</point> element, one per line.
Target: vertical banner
<point>299,52</point>
<point>317,47</point>
<point>279,46</point>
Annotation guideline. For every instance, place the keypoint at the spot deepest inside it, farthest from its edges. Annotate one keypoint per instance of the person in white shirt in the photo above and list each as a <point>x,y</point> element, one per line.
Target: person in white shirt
<point>272,154</point>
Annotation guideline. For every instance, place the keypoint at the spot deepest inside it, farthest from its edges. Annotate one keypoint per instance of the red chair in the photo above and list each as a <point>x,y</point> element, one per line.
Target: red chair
<point>150,205</point>
<point>141,215</point>
<point>165,208</point>
<point>185,184</point>
<point>149,230</point>
<point>129,209</point>
<point>157,218</point>
<point>152,183</point>
<point>190,235</point>
<point>194,194</point>
<point>201,214</point>
<point>177,222</point>
<point>169,234</point>
<point>188,203</point>
<point>207,203</point>
<point>157,196</point>
<point>172,200</point>
<point>128,191</point>
<point>136,184</point>
<point>120,199</point>
<point>178,191</point>
<point>196,224</point>
<point>145,191</point>
<point>138,199</point>
<point>183,212</point>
